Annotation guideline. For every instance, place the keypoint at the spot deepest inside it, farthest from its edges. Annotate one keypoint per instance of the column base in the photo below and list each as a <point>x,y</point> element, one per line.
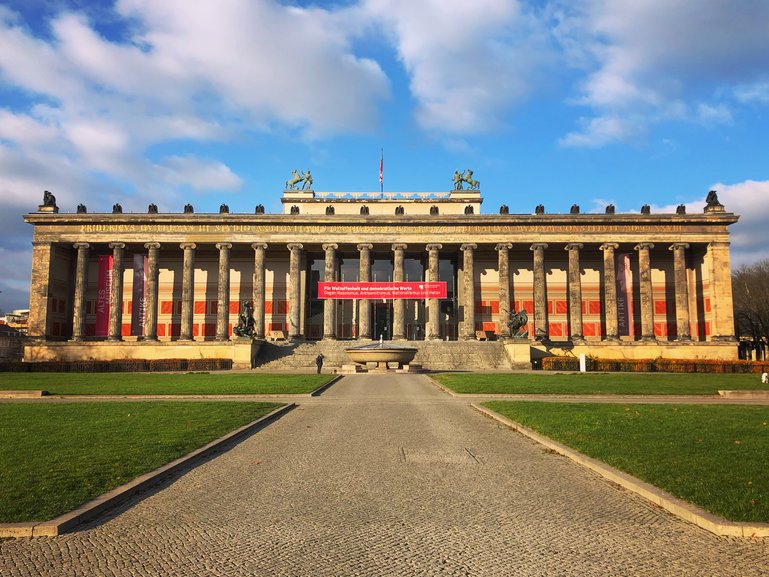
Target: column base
<point>648,339</point>
<point>612,339</point>
<point>114,339</point>
<point>577,340</point>
<point>329,338</point>
<point>685,339</point>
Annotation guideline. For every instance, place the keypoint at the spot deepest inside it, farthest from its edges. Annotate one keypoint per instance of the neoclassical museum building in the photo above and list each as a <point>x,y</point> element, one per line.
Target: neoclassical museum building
<point>173,285</point>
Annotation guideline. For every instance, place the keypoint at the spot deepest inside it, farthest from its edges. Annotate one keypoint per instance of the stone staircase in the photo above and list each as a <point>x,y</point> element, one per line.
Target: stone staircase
<point>432,355</point>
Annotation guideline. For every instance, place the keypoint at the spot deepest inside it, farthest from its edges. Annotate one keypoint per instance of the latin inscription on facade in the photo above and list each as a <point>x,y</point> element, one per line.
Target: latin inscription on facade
<point>313,229</point>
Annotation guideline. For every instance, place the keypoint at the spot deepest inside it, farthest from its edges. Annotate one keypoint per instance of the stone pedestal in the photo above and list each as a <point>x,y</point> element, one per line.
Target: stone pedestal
<point>518,351</point>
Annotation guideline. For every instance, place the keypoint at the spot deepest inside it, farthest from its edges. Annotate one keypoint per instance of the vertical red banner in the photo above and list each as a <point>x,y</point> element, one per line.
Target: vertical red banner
<point>141,264</point>
<point>103,289</point>
<point>624,296</point>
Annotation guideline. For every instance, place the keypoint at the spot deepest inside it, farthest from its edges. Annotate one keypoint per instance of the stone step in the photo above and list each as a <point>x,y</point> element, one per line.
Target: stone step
<point>432,355</point>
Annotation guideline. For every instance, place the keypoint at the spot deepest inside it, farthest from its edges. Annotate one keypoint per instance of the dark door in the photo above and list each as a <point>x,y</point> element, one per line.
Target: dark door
<point>382,320</point>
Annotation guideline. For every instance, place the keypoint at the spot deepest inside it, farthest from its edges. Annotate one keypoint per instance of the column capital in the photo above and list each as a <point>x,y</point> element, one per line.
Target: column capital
<point>114,245</point>
<point>538,246</point>
<point>399,246</point>
<point>468,246</point>
<point>327,246</point>
<point>365,246</point>
<point>610,246</point>
<point>644,246</point>
<point>224,245</point>
<point>574,246</point>
<point>259,245</point>
<point>433,246</point>
<point>151,245</point>
<point>679,245</point>
<point>79,245</point>
<point>292,246</point>
<point>188,245</point>
<point>503,246</point>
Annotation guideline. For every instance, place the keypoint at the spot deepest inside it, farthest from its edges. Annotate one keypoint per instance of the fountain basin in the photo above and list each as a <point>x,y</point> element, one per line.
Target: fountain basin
<point>382,356</point>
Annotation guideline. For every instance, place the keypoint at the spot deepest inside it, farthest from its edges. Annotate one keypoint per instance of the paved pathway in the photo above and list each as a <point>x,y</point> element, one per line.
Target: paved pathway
<point>386,475</point>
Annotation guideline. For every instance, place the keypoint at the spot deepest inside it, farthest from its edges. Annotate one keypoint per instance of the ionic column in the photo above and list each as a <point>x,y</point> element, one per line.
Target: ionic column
<point>683,330</point>
<point>503,250</point>
<point>294,278</point>
<point>259,288</point>
<point>468,275</point>
<point>81,282</point>
<point>223,308</point>
<point>575,293</point>
<point>399,306</point>
<point>116,293</point>
<point>188,290</point>
<point>364,307</point>
<point>610,290</point>
<point>645,286</point>
<point>721,307</point>
<point>433,310</point>
<point>151,298</point>
<point>540,295</point>
<point>329,305</point>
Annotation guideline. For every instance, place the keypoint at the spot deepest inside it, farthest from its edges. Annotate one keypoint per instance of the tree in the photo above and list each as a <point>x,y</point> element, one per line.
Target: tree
<point>750,290</point>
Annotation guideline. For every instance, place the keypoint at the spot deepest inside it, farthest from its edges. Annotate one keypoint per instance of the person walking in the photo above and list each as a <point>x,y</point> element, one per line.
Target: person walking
<point>319,362</point>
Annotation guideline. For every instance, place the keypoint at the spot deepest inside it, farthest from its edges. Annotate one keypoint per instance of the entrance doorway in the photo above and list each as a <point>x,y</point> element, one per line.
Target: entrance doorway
<point>382,320</point>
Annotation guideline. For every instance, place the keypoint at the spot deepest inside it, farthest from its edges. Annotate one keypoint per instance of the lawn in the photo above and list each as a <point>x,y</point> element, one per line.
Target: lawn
<point>55,457</point>
<point>163,383</point>
<point>597,383</point>
<point>712,456</point>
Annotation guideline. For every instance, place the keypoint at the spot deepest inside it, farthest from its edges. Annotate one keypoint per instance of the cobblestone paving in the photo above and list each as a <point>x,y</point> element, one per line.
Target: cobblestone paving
<point>385,475</point>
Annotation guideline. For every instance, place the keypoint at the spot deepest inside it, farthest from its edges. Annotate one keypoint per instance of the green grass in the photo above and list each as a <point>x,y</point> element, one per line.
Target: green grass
<point>597,383</point>
<point>163,383</point>
<point>55,457</point>
<point>712,456</point>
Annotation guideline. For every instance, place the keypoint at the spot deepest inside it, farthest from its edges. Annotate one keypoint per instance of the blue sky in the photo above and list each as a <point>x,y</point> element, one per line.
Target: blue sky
<point>554,102</point>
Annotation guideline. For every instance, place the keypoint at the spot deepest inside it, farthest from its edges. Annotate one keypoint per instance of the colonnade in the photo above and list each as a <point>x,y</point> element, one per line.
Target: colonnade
<point>467,326</point>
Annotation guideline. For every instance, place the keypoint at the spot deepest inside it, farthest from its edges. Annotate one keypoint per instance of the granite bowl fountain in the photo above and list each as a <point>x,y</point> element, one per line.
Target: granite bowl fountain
<point>382,354</point>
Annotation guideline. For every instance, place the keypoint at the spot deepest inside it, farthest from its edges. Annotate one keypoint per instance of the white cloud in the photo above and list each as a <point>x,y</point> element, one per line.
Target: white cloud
<point>468,62</point>
<point>599,131</point>
<point>188,73</point>
<point>659,60</point>
<point>757,92</point>
<point>199,174</point>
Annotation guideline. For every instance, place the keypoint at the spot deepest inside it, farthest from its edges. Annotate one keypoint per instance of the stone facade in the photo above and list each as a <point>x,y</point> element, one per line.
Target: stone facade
<point>610,285</point>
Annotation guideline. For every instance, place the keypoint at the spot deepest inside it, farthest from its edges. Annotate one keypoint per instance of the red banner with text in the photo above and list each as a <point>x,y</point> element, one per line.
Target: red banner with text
<point>382,290</point>
<point>103,289</point>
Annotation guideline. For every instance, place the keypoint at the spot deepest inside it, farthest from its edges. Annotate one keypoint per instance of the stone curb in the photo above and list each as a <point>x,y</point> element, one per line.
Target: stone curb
<point>22,394</point>
<point>322,389</point>
<point>744,394</point>
<point>96,507</point>
<point>443,388</point>
<point>677,507</point>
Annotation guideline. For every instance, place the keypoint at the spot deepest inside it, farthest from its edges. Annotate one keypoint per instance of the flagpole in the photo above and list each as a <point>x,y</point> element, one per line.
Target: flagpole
<point>381,172</point>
